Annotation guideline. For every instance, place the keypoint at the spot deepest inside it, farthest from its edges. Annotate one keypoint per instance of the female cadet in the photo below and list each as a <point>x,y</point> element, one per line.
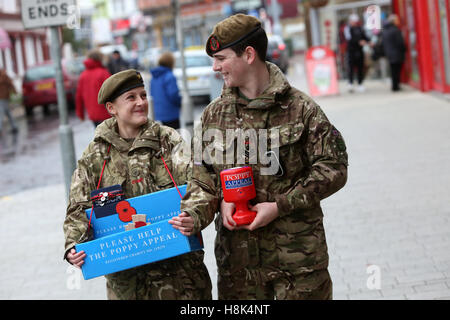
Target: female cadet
<point>132,146</point>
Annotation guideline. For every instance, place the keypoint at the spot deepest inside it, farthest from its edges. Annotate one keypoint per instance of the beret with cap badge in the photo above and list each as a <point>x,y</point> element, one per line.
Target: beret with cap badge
<point>119,83</point>
<point>231,31</point>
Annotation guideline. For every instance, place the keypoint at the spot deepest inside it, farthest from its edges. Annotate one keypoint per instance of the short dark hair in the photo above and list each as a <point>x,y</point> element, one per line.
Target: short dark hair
<point>258,41</point>
<point>166,60</point>
<point>95,55</point>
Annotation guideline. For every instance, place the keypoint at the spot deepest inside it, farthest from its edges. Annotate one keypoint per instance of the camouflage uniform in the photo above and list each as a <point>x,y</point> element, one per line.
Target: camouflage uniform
<point>138,167</point>
<point>288,258</point>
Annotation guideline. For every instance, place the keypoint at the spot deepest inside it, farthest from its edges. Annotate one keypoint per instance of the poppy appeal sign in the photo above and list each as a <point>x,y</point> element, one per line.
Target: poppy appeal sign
<point>133,232</point>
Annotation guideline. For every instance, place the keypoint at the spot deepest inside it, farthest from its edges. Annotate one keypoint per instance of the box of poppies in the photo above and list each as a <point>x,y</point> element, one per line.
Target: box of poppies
<point>133,232</point>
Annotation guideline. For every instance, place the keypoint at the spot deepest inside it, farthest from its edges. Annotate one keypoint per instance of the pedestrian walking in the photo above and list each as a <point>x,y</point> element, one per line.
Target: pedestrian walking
<point>89,84</point>
<point>6,89</point>
<point>378,57</point>
<point>394,49</point>
<point>130,148</point>
<point>356,40</point>
<point>282,254</point>
<point>116,63</point>
<point>165,93</point>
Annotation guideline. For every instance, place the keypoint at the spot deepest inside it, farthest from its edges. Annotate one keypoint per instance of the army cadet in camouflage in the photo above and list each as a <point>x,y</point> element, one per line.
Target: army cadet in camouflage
<point>134,162</point>
<point>282,254</point>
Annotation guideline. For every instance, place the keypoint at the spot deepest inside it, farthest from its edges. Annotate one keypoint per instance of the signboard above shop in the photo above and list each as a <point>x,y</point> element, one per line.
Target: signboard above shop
<point>47,13</point>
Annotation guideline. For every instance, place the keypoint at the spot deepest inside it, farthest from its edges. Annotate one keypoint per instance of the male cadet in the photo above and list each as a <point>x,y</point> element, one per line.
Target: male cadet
<point>282,254</point>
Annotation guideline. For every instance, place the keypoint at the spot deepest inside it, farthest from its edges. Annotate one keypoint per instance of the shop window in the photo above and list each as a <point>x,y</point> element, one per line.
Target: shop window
<point>444,18</point>
<point>435,42</point>
<point>412,42</point>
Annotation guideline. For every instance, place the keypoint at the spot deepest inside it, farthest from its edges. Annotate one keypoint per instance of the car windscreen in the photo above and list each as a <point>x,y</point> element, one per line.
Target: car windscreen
<point>41,72</point>
<point>194,61</point>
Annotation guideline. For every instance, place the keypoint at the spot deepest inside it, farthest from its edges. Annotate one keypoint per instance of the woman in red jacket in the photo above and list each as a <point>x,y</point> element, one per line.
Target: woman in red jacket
<point>89,84</point>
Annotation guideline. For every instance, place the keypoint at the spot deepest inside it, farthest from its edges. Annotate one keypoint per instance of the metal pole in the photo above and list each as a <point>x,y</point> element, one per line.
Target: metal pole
<point>65,131</point>
<point>186,103</point>
<point>275,7</point>
<point>315,27</point>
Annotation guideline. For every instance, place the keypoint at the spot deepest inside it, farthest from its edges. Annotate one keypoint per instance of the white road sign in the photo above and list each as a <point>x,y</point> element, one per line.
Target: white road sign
<point>47,13</point>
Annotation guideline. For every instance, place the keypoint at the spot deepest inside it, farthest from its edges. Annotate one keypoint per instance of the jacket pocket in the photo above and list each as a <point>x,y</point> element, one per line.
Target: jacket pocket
<point>221,154</point>
<point>230,248</point>
<point>300,241</point>
<point>159,177</point>
<point>286,149</point>
<point>290,133</point>
<point>113,179</point>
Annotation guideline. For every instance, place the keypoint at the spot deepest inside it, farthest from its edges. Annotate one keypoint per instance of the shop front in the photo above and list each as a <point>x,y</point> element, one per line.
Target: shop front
<point>425,25</point>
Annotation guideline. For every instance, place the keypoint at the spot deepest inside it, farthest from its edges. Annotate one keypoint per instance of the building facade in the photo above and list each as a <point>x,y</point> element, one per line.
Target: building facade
<point>425,26</point>
<point>331,20</point>
<point>26,47</point>
<point>198,18</point>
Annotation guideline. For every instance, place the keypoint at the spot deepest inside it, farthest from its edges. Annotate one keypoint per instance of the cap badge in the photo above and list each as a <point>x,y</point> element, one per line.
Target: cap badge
<point>214,44</point>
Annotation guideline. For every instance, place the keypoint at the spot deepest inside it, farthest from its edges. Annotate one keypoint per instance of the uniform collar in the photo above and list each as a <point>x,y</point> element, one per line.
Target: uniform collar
<point>277,88</point>
<point>148,137</point>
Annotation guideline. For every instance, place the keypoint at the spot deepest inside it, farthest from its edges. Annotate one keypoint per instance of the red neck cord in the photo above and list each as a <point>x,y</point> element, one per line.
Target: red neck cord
<point>98,185</point>
<point>101,175</point>
<point>165,165</point>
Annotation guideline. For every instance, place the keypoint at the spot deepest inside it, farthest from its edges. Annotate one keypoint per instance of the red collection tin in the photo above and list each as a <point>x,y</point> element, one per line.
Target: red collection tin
<point>238,187</point>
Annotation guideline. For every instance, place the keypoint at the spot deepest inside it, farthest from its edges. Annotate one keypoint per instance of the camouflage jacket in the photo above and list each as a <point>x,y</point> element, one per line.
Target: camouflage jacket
<point>311,164</point>
<point>137,166</point>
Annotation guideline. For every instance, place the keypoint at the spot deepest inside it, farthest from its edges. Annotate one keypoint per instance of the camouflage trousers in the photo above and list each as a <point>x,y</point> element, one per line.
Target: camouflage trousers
<point>180,278</point>
<point>248,285</point>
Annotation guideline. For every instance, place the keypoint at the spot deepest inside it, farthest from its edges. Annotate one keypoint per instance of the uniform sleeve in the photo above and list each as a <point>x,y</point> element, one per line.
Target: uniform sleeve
<point>176,150</point>
<point>202,196</point>
<point>327,161</point>
<point>199,182</point>
<point>76,223</point>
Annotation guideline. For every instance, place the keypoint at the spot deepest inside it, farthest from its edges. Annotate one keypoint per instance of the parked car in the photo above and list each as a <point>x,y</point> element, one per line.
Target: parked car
<point>277,52</point>
<point>39,87</point>
<point>198,72</point>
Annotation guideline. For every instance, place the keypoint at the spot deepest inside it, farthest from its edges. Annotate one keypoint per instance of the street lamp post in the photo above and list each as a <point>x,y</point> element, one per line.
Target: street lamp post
<point>314,20</point>
<point>186,103</point>
<point>65,130</point>
<point>56,18</point>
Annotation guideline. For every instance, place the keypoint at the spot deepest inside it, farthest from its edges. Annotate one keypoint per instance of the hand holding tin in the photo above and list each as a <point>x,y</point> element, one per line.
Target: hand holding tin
<point>238,188</point>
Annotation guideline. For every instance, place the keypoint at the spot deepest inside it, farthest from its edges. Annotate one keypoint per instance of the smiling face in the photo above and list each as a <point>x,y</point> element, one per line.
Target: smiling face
<point>130,110</point>
<point>232,67</point>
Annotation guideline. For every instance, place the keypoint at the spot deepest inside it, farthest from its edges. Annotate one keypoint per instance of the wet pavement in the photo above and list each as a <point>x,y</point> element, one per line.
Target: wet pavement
<point>28,158</point>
